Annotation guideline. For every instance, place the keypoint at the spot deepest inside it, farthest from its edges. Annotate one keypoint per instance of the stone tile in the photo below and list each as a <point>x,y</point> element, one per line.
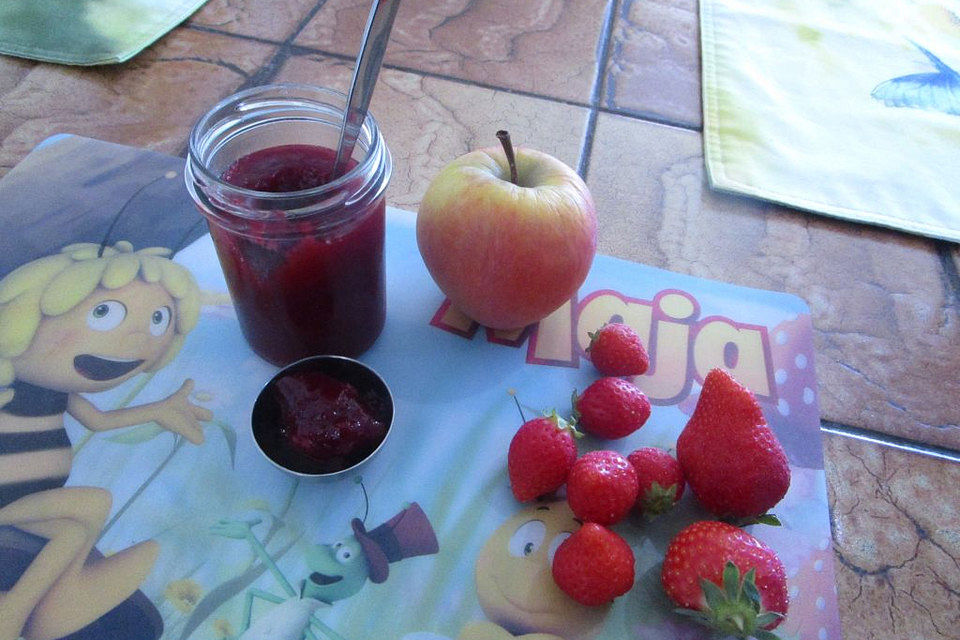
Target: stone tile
<point>149,102</point>
<point>428,122</point>
<point>886,325</point>
<point>654,66</point>
<point>12,70</point>
<point>248,17</point>
<point>547,47</point>
<point>896,529</point>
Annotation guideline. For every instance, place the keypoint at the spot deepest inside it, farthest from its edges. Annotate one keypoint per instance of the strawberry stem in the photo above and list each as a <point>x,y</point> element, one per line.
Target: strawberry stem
<point>564,425</point>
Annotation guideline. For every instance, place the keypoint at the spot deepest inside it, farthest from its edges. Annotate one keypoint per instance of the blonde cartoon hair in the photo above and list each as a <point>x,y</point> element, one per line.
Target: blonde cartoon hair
<point>55,284</point>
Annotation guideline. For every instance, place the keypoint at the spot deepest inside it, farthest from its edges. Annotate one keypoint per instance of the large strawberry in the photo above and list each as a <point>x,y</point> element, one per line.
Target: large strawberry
<point>594,565</point>
<point>616,350</point>
<point>540,456</point>
<point>731,459</point>
<point>611,408</point>
<point>726,579</point>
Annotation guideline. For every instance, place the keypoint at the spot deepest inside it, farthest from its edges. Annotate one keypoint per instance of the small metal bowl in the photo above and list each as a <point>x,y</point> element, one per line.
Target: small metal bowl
<point>265,418</point>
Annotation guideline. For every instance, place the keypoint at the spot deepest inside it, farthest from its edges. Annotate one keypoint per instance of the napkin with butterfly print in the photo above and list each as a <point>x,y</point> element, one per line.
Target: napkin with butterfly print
<point>849,108</point>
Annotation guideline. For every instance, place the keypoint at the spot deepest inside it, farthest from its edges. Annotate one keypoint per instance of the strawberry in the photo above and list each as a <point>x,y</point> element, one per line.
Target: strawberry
<point>660,479</point>
<point>594,565</point>
<point>611,408</point>
<point>540,456</point>
<point>616,350</point>
<point>726,579</point>
<point>602,487</point>
<point>732,460</point>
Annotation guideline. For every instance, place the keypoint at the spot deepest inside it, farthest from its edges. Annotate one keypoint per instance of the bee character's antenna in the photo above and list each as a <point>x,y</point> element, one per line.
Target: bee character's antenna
<point>116,218</point>
<point>366,498</point>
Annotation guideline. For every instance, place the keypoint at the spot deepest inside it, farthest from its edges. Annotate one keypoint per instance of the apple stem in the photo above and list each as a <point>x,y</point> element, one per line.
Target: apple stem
<point>504,137</point>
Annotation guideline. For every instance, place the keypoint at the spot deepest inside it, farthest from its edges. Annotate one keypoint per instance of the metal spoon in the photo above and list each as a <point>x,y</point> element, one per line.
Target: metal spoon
<point>375,36</point>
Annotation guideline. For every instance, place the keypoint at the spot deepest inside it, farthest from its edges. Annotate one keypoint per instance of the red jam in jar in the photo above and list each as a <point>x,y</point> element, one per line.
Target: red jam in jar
<point>302,253</point>
<point>325,290</point>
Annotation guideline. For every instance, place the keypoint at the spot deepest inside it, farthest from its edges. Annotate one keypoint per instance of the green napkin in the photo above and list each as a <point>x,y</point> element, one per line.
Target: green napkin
<point>87,32</point>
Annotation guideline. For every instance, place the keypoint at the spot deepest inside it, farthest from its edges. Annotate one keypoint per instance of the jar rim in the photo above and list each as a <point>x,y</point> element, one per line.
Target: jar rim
<point>362,168</point>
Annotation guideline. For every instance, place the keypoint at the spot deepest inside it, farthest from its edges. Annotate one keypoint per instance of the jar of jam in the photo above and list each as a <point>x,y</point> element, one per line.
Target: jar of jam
<point>301,250</point>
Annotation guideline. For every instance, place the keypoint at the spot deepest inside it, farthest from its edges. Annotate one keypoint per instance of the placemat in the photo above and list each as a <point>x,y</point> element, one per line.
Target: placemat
<point>239,542</point>
<point>850,109</point>
<point>87,32</point>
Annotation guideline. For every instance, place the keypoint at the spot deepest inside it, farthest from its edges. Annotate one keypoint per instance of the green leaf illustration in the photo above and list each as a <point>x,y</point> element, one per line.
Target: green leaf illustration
<point>258,504</point>
<point>231,438</point>
<point>139,434</point>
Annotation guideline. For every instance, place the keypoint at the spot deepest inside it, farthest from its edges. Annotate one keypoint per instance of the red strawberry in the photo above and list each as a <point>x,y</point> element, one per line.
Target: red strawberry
<point>611,408</point>
<point>594,565</point>
<point>616,350</point>
<point>730,457</point>
<point>602,487</point>
<point>660,478</point>
<point>540,456</point>
<point>726,579</point>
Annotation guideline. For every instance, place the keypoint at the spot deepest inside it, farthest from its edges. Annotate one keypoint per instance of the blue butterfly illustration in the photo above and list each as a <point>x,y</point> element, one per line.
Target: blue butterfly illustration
<point>936,91</point>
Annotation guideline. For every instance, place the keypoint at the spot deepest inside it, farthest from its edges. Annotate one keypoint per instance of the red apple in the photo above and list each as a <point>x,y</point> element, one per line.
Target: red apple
<point>508,242</point>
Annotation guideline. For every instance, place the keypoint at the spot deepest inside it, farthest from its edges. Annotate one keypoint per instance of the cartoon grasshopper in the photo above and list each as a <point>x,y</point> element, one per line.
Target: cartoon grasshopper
<point>337,571</point>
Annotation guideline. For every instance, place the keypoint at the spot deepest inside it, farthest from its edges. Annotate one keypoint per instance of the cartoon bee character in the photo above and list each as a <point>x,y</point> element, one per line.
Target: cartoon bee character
<point>515,585</point>
<point>81,321</point>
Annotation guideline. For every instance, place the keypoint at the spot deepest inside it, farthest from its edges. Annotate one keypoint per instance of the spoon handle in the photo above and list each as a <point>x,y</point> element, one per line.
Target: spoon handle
<point>375,36</point>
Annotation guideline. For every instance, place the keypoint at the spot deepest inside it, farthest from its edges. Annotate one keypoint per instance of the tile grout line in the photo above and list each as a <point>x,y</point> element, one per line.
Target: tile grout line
<point>298,49</point>
<point>603,57</point>
<point>268,71</point>
<point>886,440</point>
<point>270,68</point>
<point>652,119</point>
<point>238,36</point>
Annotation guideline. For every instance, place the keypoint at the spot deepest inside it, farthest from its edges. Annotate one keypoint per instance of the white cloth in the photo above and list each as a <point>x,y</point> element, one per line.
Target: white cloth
<point>845,107</point>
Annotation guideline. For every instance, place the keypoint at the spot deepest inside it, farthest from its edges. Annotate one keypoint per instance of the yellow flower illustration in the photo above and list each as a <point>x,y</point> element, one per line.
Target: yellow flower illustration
<point>183,594</point>
<point>202,396</point>
<point>222,628</point>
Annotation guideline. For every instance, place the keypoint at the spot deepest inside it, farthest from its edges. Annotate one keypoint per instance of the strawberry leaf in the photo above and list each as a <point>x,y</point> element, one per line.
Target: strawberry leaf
<point>763,634</point>
<point>769,519</point>
<point>593,337</point>
<point>714,596</point>
<point>766,518</point>
<point>658,500</point>
<point>563,425</point>
<point>767,618</point>
<point>731,581</point>
<point>736,608</point>
<point>574,414</point>
<point>695,615</point>
<point>750,588</point>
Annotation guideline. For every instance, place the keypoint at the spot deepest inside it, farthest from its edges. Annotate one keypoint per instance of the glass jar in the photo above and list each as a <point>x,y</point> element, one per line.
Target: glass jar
<point>302,254</point>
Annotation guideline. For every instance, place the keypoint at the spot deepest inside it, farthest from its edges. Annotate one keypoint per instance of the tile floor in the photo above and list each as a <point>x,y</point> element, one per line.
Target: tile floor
<point>611,87</point>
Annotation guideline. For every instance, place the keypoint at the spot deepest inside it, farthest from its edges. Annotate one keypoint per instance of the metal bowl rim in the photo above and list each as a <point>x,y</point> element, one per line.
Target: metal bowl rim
<point>303,362</point>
